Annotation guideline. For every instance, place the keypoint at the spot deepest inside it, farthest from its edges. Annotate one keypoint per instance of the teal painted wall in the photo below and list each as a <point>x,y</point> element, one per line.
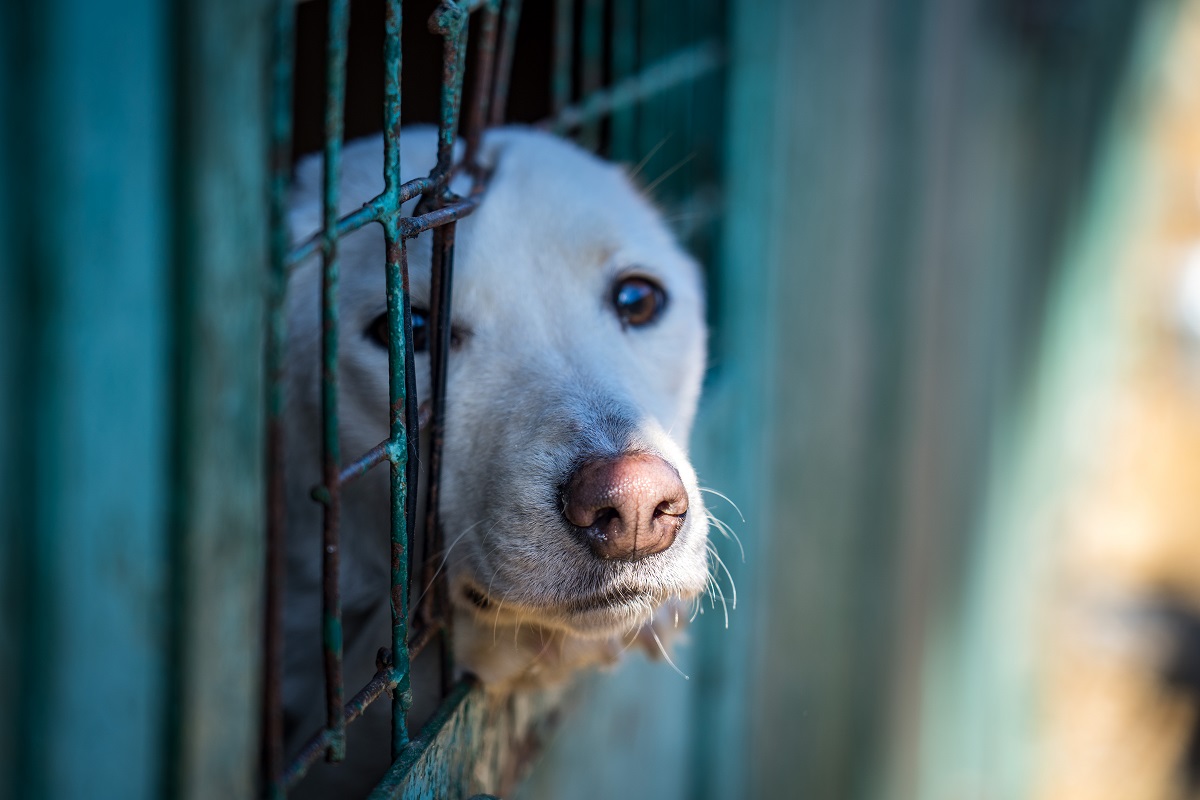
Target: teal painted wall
<point>133,158</point>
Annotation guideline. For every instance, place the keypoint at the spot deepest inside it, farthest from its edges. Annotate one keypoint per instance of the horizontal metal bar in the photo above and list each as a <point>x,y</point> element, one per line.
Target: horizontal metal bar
<point>384,679</point>
<point>384,451</point>
<point>679,68</point>
<point>376,210</point>
<point>411,226</point>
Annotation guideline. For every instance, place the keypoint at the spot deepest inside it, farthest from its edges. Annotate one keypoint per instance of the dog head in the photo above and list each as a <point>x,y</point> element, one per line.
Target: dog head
<point>568,502</point>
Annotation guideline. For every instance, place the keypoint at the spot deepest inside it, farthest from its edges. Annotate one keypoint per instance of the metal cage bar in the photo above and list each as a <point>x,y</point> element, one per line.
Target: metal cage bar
<point>331,607</point>
<point>283,38</point>
<point>403,419</point>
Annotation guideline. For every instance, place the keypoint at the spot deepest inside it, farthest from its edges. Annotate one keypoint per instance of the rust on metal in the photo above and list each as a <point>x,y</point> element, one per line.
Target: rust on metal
<point>281,144</point>
<point>477,109</point>
<point>311,752</point>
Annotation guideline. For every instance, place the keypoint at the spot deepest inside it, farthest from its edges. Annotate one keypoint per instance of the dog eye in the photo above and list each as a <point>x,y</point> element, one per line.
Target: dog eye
<point>378,330</point>
<point>638,301</point>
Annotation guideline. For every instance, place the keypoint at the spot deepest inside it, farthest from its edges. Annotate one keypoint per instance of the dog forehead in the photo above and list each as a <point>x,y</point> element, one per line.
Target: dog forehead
<point>551,207</point>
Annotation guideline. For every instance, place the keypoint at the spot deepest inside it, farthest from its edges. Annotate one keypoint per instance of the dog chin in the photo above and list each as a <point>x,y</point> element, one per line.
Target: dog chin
<point>599,616</point>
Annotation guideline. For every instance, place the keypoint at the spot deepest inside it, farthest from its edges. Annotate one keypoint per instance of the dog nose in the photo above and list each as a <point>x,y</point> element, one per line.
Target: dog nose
<point>627,507</point>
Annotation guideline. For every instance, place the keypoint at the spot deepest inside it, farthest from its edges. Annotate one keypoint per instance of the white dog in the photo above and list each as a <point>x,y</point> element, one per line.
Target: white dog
<point>568,503</point>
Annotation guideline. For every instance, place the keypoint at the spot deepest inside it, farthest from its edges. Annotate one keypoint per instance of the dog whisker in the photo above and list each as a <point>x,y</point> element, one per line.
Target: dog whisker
<point>445,557</point>
<point>724,606</point>
<point>663,650</point>
<point>654,183</point>
<point>646,159</point>
<point>728,575</point>
<point>724,497</point>
<point>496,621</point>
<point>633,637</point>
<point>727,532</point>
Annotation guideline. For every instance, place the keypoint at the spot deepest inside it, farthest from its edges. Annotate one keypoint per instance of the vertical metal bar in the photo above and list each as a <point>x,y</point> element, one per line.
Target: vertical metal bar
<point>508,43</point>
<point>477,109</point>
<point>624,62</point>
<point>439,349</point>
<point>564,39</point>
<point>592,73</point>
<point>283,45</point>
<point>393,62</point>
<point>402,469</point>
<point>404,434</point>
<point>335,76</point>
<point>449,21</point>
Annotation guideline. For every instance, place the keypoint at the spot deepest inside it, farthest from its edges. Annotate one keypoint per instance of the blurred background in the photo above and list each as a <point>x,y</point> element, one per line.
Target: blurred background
<point>953,259</point>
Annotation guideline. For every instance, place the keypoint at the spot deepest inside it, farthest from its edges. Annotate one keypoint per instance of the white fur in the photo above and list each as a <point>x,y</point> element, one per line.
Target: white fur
<point>544,378</point>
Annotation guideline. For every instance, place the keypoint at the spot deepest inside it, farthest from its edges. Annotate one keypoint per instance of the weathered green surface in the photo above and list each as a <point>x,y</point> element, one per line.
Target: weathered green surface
<point>129,441</point>
<point>218,405</point>
<point>479,744</point>
<point>86,169</point>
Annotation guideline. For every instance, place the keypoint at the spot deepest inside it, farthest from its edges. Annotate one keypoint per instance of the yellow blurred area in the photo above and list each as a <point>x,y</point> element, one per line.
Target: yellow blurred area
<point>1113,728</point>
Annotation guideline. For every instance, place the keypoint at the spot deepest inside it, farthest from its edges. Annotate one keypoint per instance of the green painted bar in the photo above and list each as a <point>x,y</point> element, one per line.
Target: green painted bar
<point>331,459</point>
<point>221,159</point>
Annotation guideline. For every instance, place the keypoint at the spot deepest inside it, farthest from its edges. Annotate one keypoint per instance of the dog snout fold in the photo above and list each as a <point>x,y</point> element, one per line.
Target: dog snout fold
<point>627,507</point>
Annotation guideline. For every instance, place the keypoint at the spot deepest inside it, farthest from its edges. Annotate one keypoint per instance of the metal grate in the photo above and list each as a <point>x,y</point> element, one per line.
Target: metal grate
<point>437,211</point>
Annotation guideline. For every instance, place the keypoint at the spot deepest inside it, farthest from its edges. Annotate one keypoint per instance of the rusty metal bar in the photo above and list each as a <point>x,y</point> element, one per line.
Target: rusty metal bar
<point>364,463</point>
<point>322,739</point>
<point>411,226</point>
<point>449,21</point>
<point>485,58</point>
<point>283,46</point>
<point>432,610</point>
<point>508,45</point>
<point>331,602</point>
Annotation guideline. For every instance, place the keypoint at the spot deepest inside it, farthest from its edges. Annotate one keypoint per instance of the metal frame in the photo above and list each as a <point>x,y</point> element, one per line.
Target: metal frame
<point>438,211</point>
